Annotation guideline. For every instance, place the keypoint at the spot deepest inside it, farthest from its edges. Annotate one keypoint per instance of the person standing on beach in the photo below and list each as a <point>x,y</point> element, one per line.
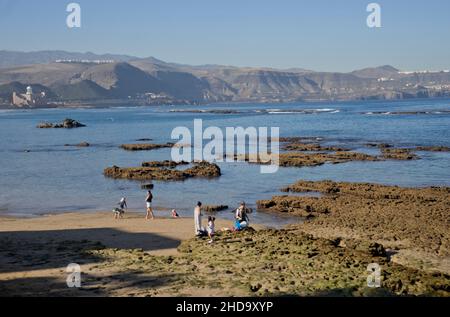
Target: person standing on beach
<point>198,219</point>
<point>148,202</point>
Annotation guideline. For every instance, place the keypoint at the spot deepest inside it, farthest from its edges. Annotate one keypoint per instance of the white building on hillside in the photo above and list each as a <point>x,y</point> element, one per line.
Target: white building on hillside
<point>29,99</point>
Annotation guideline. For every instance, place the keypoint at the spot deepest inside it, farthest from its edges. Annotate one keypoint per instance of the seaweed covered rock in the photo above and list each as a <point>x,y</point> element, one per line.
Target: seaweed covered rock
<point>167,164</point>
<point>432,148</point>
<point>297,159</point>
<point>397,217</point>
<point>202,169</point>
<point>300,206</point>
<point>398,154</point>
<point>145,146</point>
<point>144,173</point>
<point>290,262</point>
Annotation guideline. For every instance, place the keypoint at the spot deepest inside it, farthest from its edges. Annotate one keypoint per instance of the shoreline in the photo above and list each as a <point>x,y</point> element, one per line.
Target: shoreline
<point>232,104</point>
<point>50,226</point>
<point>161,257</point>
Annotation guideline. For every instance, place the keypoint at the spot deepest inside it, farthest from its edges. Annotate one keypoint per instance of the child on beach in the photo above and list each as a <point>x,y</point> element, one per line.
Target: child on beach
<point>175,214</point>
<point>211,228</point>
<point>118,212</point>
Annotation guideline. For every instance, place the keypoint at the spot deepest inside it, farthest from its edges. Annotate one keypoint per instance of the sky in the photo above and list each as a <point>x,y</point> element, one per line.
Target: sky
<point>321,35</point>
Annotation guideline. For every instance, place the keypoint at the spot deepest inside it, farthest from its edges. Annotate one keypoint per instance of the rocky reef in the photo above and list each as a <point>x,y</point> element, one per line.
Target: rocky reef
<point>388,150</point>
<point>308,144</point>
<point>302,159</point>
<point>298,159</point>
<point>310,152</point>
<point>433,148</point>
<point>65,124</point>
<point>145,146</point>
<point>398,154</point>
<point>167,164</point>
<point>269,263</point>
<point>201,169</point>
<point>312,147</point>
<point>406,218</point>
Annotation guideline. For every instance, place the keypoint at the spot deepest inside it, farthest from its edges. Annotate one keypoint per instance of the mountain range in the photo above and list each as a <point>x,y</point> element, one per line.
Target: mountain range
<point>87,76</point>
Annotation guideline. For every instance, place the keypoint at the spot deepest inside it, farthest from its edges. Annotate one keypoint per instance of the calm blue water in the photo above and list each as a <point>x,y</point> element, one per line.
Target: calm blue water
<point>54,178</point>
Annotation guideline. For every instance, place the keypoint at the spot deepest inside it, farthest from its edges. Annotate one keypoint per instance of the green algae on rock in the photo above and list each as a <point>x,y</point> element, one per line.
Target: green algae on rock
<point>201,169</point>
<point>273,263</point>
<point>411,218</point>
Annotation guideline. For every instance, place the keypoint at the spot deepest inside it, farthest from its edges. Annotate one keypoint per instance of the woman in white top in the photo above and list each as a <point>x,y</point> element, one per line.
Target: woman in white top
<point>198,219</point>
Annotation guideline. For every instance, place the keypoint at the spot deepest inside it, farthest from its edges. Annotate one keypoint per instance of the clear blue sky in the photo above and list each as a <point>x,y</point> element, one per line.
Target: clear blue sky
<point>328,35</point>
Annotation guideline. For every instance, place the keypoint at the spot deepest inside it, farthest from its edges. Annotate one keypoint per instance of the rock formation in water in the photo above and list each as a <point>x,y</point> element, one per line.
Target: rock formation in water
<point>201,169</point>
<point>145,146</point>
<point>65,124</point>
<point>214,208</point>
<point>413,218</point>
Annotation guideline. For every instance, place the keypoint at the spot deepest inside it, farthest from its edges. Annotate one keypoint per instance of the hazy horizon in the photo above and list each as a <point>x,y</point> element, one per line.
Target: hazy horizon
<point>315,35</point>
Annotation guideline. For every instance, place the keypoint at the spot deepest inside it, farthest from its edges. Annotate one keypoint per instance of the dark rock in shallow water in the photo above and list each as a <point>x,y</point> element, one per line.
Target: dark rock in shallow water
<point>145,146</point>
<point>215,208</point>
<point>82,144</point>
<point>65,124</point>
<point>45,125</point>
<point>168,164</point>
<point>144,140</point>
<point>147,186</point>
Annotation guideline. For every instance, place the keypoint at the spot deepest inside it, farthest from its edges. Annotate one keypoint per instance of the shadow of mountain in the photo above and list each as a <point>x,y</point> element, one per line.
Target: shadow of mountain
<point>37,250</point>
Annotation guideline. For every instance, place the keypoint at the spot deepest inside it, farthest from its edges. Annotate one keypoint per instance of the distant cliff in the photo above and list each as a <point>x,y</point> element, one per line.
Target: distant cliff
<point>129,77</point>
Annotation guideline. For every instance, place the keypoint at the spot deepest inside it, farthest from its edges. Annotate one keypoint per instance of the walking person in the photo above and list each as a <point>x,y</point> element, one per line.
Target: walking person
<point>148,202</point>
<point>123,203</point>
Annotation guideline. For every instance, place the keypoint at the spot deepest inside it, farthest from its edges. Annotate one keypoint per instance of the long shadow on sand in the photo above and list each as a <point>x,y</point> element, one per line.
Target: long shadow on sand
<point>91,286</point>
<point>36,250</point>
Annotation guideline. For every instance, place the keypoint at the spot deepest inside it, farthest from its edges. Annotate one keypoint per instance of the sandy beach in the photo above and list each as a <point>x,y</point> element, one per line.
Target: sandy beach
<point>161,236</point>
<point>135,257</point>
<point>37,250</point>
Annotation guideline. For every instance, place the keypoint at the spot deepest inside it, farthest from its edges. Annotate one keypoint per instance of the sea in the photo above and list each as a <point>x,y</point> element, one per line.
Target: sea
<point>39,174</point>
